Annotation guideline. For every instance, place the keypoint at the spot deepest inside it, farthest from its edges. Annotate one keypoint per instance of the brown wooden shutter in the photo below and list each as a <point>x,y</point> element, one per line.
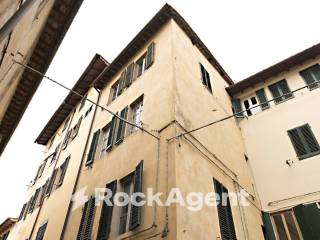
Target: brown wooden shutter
<point>112,132</point>
<point>129,75</point>
<point>150,55</point>
<point>121,126</point>
<point>82,221</point>
<point>93,147</point>
<point>135,216</point>
<point>106,214</point>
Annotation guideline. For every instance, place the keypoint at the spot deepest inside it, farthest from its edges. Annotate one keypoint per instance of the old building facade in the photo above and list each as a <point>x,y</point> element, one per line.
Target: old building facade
<point>130,133</point>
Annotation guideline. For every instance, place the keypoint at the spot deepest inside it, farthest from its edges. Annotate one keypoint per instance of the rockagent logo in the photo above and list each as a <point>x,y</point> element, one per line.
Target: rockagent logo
<point>194,201</point>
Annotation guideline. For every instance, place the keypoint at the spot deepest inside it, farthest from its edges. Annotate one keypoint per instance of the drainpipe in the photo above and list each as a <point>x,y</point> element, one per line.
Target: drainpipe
<point>54,167</point>
<point>79,169</point>
<point>12,22</point>
<point>241,210</point>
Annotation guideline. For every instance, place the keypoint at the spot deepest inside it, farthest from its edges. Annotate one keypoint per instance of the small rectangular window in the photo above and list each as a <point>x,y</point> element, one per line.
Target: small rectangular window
<point>205,77</point>
<point>304,142</point>
<point>280,91</point>
<point>285,226</point>
<point>311,76</point>
<point>251,106</point>
<point>136,109</point>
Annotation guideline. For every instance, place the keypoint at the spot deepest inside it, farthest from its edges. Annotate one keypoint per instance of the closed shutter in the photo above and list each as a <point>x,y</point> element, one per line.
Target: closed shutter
<point>112,132</point>
<point>135,216</point>
<point>41,231</point>
<point>304,142</point>
<point>22,211</point>
<point>51,182</point>
<point>75,130</point>
<point>93,147</point>
<point>86,223</point>
<point>308,218</point>
<point>262,99</point>
<point>106,214</point>
<point>285,89</point>
<point>237,107</point>
<point>275,93</point>
<point>269,233</point>
<point>227,229</point>
<point>121,83</point>
<point>309,79</point>
<point>150,55</point>
<point>121,126</point>
<point>129,75</point>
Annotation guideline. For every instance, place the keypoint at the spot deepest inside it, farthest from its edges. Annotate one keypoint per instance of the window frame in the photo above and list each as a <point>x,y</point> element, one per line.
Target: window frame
<point>309,69</point>
<point>137,103</point>
<point>283,96</point>
<point>257,109</point>
<point>205,78</point>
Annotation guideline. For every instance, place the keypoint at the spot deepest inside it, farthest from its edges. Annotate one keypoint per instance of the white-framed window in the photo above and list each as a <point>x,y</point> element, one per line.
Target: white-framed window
<point>141,65</point>
<point>249,105</point>
<point>136,115</point>
<point>286,226</point>
<point>105,137</point>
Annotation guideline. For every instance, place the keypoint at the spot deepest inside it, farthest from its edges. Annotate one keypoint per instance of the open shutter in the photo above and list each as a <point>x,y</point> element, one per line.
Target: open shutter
<point>55,153</point>
<point>121,83</point>
<point>66,139</point>
<point>227,229</point>
<point>112,132</point>
<point>63,170</point>
<point>208,81</point>
<point>150,55</point>
<point>106,214</point>
<point>129,75</point>
<point>262,99</point>
<point>93,147</point>
<point>135,216</point>
<point>237,107</point>
<point>121,126</point>
<point>41,231</point>
<point>86,222</point>
<point>75,130</point>
<point>308,218</point>
<point>203,74</point>
<point>51,182</point>
<point>22,211</point>
<point>269,233</point>
<point>297,142</point>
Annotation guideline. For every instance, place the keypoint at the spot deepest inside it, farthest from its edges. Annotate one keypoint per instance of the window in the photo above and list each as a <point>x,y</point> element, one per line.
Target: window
<point>227,229</point>
<point>141,65</point>
<point>105,137</point>
<point>205,77</point>
<point>62,171</point>
<point>126,187</point>
<point>304,142</point>
<point>280,91</point>
<point>251,106</point>
<point>51,182</point>
<point>114,90</point>
<point>41,231</point>
<point>130,215</point>
<point>86,222</point>
<point>121,126</point>
<point>34,200</point>
<point>285,226</point>
<point>136,114</point>
<point>311,76</point>
<point>23,210</point>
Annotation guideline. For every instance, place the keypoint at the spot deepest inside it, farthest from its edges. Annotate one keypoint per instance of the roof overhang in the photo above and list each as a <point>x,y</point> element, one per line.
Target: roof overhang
<point>57,24</point>
<point>272,71</point>
<point>166,13</point>
<point>7,224</point>
<point>94,69</point>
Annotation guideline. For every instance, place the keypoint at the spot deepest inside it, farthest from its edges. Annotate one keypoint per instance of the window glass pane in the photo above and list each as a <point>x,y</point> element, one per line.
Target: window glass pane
<point>247,106</point>
<point>280,227</point>
<point>291,225</point>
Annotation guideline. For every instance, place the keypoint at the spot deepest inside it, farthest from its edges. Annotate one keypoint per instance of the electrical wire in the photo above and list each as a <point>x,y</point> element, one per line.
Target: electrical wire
<point>85,98</point>
<point>239,114</point>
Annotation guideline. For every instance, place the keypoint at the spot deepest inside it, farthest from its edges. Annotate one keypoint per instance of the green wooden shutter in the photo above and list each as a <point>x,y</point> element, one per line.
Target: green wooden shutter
<point>22,211</point>
<point>269,233</point>
<point>106,214</point>
<point>34,200</point>
<point>63,170</point>
<point>135,215</point>
<point>208,81</point>
<point>297,142</point>
<point>51,182</point>
<point>150,55</point>
<point>311,142</point>
<point>203,74</point>
<point>275,93</point>
<point>82,221</point>
<point>121,126</point>
<point>86,222</point>
<point>112,132</point>
<point>41,231</point>
<point>93,147</point>
<point>261,94</point>
<point>237,107</point>
<point>226,224</point>
<point>121,83</point>
<point>308,217</point>
<point>285,89</point>
<point>129,75</point>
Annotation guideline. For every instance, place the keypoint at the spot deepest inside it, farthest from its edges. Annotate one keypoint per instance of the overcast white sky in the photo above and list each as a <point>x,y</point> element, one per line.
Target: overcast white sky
<point>245,36</point>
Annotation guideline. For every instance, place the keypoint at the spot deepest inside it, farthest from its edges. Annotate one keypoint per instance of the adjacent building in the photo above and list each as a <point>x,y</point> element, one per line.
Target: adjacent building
<point>126,127</point>
<point>5,227</point>
<point>31,32</point>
